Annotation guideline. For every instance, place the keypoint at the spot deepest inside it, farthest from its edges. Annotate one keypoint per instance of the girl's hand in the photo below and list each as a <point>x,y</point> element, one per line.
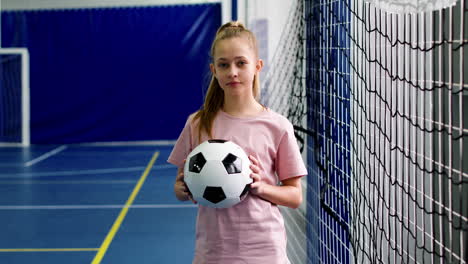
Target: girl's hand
<point>288,194</point>
<point>257,186</point>
<point>180,188</point>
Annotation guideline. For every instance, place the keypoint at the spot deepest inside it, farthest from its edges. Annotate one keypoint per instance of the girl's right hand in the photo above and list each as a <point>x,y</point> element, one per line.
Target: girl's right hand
<point>180,188</point>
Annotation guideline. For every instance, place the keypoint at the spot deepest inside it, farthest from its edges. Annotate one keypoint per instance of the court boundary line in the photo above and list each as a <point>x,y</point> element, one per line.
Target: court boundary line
<point>28,175</point>
<point>60,182</point>
<point>82,172</point>
<point>128,143</point>
<point>97,206</point>
<point>10,250</point>
<point>143,143</point>
<point>45,156</point>
<point>115,227</point>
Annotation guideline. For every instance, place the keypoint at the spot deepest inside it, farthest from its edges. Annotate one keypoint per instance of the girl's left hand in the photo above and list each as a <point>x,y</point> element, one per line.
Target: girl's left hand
<point>257,186</point>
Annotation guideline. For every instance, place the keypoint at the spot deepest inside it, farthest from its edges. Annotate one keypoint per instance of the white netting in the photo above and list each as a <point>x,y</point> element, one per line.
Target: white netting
<point>411,6</point>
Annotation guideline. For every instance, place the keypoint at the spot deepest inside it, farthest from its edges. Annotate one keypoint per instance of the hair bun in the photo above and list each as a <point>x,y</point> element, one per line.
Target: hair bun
<point>235,24</point>
<point>232,24</point>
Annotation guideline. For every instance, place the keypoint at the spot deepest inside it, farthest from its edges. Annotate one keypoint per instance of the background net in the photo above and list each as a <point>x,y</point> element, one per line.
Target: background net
<point>10,98</point>
<point>377,100</point>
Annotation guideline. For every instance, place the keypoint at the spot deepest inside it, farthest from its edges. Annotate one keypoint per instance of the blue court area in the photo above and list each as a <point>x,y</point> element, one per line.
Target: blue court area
<point>92,204</point>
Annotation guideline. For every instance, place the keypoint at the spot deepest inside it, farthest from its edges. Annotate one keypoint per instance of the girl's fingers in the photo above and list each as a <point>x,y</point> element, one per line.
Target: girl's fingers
<point>180,176</point>
<point>186,192</point>
<point>255,165</point>
<point>191,198</point>
<point>254,168</point>
<point>255,177</point>
<point>253,159</point>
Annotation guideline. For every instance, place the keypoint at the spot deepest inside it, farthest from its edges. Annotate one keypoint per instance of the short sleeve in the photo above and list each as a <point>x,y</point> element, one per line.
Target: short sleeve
<point>182,147</point>
<point>289,162</point>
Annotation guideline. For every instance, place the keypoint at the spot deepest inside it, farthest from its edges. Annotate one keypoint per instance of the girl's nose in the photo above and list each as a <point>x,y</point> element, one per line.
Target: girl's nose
<point>233,72</point>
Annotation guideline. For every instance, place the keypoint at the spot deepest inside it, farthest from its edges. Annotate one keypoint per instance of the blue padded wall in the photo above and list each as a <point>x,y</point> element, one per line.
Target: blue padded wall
<point>114,74</point>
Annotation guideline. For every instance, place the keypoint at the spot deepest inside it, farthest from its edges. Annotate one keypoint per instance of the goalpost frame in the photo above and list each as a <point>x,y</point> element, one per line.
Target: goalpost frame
<point>25,97</point>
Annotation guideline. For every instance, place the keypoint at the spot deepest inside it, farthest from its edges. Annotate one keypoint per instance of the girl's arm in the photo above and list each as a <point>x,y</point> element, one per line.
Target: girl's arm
<point>288,194</point>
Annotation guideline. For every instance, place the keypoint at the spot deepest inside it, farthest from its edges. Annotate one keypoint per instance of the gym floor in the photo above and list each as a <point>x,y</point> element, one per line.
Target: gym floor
<point>92,204</point>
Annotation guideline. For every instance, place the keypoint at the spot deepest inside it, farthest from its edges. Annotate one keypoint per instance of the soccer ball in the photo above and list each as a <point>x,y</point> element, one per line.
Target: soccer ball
<point>217,173</point>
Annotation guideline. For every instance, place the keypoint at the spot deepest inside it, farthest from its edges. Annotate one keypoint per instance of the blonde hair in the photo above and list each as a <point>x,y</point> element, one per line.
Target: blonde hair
<point>214,99</point>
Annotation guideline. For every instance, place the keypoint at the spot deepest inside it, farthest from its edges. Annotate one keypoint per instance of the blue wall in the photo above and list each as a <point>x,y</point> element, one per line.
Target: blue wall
<point>114,74</point>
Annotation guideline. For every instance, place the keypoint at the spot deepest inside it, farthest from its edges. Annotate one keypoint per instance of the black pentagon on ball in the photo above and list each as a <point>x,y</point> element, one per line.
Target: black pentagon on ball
<point>214,194</point>
<point>217,140</point>
<point>232,164</point>
<point>197,162</point>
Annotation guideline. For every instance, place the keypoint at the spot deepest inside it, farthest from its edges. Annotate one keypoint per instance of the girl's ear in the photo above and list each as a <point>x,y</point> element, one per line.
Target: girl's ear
<point>212,69</point>
<point>259,65</point>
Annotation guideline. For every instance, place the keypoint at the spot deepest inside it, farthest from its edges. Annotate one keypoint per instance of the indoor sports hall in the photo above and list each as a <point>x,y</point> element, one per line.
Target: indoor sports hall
<point>94,94</point>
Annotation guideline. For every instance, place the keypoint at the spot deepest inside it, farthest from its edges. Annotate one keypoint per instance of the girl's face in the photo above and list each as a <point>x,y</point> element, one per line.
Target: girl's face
<point>235,65</point>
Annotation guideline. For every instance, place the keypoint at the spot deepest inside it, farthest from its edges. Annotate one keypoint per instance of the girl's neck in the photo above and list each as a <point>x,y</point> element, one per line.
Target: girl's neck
<point>241,107</point>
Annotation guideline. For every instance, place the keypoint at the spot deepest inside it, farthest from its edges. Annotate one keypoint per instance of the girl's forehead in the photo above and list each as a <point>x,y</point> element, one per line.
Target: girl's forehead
<point>239,46</point>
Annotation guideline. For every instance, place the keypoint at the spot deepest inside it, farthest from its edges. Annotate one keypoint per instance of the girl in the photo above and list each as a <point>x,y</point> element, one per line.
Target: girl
<point>253,230</point>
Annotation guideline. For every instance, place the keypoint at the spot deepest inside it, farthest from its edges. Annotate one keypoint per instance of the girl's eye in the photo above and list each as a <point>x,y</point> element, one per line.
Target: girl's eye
<point>241,63</point>
<point>222,65</point>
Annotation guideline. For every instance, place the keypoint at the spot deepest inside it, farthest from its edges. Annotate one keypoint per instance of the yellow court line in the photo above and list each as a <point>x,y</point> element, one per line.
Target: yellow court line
<point>110,236</point>
<point>47,249</point>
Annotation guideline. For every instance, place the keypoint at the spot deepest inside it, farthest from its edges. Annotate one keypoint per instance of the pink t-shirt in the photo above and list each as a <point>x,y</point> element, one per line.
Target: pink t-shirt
<point>253,230</point>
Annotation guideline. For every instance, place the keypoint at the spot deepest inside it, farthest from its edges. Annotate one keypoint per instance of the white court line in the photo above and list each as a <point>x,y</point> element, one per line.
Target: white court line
<point>45,156</point>
<point>71,173</point>
<point>72,182</point>
<point>84,172</point>
<point>129,143</point>
<point>99,206</point>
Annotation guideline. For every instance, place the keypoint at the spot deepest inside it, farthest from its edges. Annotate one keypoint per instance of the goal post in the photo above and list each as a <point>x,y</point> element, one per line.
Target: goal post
<point>14,97</point>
